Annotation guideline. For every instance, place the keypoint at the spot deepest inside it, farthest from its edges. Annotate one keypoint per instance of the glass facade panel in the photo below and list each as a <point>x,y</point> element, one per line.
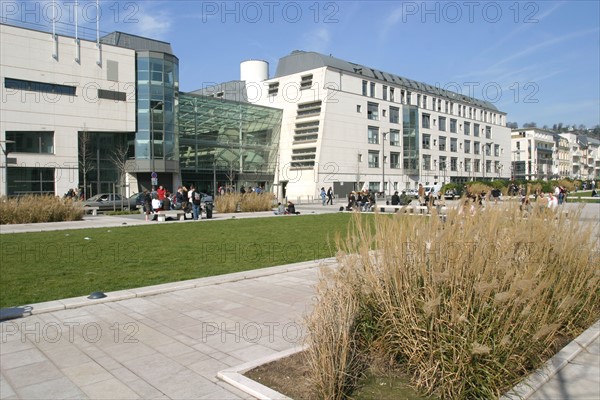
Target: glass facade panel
<point>410,139</point>
<point>30,142</point>
<point>30,180</point>
<point>239,140</point>
<point>157,101</point>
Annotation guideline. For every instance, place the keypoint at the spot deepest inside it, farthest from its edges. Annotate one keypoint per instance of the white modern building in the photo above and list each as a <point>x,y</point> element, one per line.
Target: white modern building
<point>540,154</point>
<point>533,153</point>
<point>54,88</point>
<point>350,126</point>
<point>107,115</point>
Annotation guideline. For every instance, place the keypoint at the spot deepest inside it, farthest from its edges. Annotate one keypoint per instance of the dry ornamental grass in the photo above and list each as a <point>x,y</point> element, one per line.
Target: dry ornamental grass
<point>248,202</point>
<point>33,208</point>
<point>466,307</point>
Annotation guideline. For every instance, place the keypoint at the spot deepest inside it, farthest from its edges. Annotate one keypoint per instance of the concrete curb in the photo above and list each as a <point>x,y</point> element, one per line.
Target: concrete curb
<point>537,379</point>
<point>524,390</point>
<point>76,302</point>
<point>234,376</point>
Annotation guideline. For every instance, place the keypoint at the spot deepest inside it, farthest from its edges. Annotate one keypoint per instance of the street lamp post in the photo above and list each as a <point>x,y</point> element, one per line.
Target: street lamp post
<point>383,135</point>
<point>5,152</point>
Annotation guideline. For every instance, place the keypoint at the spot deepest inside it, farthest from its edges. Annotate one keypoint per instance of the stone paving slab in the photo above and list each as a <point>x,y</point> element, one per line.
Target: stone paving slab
<point>166,345</point>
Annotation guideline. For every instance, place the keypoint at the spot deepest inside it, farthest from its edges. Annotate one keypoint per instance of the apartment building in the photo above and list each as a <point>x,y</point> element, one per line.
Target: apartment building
<point>540,154</point>
<point>350,126</point>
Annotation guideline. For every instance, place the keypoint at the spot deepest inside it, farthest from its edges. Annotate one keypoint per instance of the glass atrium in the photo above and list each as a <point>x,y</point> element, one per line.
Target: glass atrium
<point>226,143</point>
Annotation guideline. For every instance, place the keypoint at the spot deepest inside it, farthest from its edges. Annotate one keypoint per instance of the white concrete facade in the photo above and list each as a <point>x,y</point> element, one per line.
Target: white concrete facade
<point>540,154</point>
<point>335,111</point>
<point>49,63</point>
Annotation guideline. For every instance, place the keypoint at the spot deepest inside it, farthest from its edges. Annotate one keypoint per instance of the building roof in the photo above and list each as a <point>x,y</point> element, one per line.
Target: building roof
<point>137,43</point>
<point>299,61</point>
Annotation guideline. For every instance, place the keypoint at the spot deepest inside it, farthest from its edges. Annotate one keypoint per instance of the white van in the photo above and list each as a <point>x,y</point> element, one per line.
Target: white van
<point>434,189</point>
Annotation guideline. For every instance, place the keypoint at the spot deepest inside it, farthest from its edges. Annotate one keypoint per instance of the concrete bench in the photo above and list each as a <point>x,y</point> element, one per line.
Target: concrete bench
<point>407,208</point>
<point>161,216</point>
<point>93,210</point>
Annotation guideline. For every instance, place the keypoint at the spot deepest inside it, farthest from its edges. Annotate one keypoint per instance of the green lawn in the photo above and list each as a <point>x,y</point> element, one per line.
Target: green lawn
<point>575,197</point>
<point>44,266</point>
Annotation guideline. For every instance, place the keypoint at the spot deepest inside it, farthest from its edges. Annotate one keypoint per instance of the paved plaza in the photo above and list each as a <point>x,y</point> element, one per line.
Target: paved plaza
<point>170,341</point>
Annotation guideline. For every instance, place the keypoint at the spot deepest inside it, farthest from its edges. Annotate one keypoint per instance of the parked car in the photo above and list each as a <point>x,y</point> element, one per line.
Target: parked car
<point>451,194</point>
<point>412,193</point>
<point>109,202</point>
<point>137,199</point>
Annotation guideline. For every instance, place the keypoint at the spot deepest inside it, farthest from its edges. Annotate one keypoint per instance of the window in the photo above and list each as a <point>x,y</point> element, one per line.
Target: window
<point>372,93</point>
<point>488,132</point>
<point>391,94</point>
<point>374,187</point>
<point>33,86</point>
<point>497,150</point>
<point>273,88</point>
<point>408,97</point>
<point>383,113</point>
<point>306,131</point>
<point>453,145</point>
<point>112,95</point>
<point>452,125</point>
<point>306,82</point>
<point>303,158</point>
<point>442,146</point>
<point>467,128</point>
<point>488,150</point>
<point>312,108</point>
<point>446,106</point>
<point>373,111</point>
<point>439,105</point>
<point>426,162</point>
<point>418,100</point>
<point>477,166</point>
<point>453,163</point>
<point>476,147</point>
<point>385,92</point>
<point>358,108</point>
<point>476,130</point>
<point>30,180</point>
<point>394,115</point>
<point>442,124</point>
<point>394,137</point>
<point>424,102</point>
<point>467,165</point>
<point>497,167</point>
<point>467,146</point>
<point>394,160</point>
<point>30,142</point>
<point>364,88</point>
<point>373,159</point>
<point>488,166</point>
<point>373,135</point>
<point>425,121</point>
<point>426,141</point>
<point>442,163</point>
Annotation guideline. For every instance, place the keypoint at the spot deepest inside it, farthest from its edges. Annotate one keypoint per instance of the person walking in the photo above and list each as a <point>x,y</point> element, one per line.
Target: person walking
<point>330,196</point>
<point>323,195</point>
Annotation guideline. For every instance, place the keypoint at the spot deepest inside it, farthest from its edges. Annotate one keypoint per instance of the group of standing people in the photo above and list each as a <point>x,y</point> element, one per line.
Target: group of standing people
<point>160,199</point>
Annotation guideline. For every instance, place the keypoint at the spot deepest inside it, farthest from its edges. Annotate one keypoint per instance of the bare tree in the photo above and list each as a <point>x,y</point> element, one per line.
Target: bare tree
<point>118,157</point>
<point>231,175</point>
<point>86,157</point>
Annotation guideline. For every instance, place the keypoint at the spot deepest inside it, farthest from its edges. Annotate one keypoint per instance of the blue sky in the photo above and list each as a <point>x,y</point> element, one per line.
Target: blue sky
<point>536,60</point>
